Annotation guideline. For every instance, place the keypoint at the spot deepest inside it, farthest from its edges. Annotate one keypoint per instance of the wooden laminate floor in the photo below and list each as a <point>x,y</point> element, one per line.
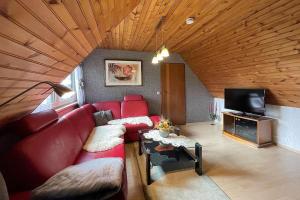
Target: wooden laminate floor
<point>241,171</point>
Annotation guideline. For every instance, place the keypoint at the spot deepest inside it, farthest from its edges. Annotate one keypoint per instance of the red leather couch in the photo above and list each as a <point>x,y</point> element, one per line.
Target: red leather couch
<point>51,144</point>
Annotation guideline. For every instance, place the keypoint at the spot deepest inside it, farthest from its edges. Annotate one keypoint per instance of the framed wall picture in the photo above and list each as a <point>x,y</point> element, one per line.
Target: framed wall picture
<point>123,72</point>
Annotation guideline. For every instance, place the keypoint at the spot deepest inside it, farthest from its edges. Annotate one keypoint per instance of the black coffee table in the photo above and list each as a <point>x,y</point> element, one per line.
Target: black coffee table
<point>167,155</point>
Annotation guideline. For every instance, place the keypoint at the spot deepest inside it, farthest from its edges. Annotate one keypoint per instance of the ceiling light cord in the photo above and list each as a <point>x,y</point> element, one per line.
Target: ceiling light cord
<point>162,52</point>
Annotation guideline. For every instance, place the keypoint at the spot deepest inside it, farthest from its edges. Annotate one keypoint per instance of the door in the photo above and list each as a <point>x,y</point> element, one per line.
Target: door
<point>173,92</point>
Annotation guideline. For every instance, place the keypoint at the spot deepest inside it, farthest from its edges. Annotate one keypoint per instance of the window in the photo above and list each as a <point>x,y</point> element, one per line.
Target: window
<point>61,101</point>
<point>55,101</point>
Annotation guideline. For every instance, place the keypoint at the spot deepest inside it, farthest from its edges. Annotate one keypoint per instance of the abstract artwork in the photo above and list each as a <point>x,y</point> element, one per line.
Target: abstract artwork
<point>123,72</point>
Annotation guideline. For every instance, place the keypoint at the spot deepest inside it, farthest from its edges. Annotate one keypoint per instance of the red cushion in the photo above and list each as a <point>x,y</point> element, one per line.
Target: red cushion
<point>117,151</point>
<point>131,134</point>
<point>133,97</point>
<point>35,122</point>
<point>134,109</point>
<point>39,156</point>
<point>82,121</point>
<point>114,106</point>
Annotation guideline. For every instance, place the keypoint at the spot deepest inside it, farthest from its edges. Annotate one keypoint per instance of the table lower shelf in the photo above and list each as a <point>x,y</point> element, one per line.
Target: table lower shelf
<point>244,141</point>
<point>168,159</point>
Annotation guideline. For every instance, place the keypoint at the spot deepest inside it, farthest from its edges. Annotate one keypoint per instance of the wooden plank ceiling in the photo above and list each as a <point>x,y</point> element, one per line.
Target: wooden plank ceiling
<point>233,43</point>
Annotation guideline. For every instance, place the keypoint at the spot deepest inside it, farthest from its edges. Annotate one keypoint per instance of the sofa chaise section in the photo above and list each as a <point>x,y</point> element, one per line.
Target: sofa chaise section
<point>40,155</point>
<point>49,144</point>
<point>131,106</point>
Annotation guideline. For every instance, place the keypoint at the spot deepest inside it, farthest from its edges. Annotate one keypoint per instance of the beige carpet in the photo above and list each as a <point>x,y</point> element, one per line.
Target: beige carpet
<point>185,184</point>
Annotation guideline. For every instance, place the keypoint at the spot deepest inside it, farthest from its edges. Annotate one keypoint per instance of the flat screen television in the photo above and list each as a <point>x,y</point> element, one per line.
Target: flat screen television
<point>245,100</point>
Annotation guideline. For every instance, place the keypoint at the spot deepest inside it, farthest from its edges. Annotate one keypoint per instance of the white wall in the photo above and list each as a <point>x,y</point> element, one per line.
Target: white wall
<point>286,124</point>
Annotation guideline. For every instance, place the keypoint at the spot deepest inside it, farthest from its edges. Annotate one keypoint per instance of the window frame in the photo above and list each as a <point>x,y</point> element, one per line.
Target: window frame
<point>57,102</point>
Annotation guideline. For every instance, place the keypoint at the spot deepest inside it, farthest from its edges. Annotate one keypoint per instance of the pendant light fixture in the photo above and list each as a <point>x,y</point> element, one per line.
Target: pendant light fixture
<point>155,58</point>
<point>159,56</point>
<point>163,52</point>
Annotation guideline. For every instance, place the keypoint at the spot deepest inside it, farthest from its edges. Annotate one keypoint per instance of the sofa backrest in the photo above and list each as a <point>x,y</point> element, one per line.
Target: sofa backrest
<point>89,109</point>
<point>82,120</point>
<point>66,109</point>
<point>133,97</point>
<point>114,106</point>
<point>35,122</point>
<point>39,156</point>
<point>17,130</point>
<point>134,108</point>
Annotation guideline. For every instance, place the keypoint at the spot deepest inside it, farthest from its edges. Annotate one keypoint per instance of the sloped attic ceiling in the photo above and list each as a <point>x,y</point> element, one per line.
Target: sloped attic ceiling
<point>233,43</point>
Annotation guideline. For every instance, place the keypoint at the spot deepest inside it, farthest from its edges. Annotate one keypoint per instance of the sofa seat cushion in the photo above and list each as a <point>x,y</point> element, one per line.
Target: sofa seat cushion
<point>103,138</point>
<point>20,196</point>
<point>132,120</point>
<point>131,134</point>
<point>117,151</point>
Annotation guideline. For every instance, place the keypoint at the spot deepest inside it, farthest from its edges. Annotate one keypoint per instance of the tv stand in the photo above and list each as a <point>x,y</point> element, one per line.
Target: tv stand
<point>253,116</point>
<point>251,129</point>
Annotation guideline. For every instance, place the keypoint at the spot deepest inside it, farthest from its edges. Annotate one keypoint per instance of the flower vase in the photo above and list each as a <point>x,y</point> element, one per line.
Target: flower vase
<point>164,133</point>
<point>213,122</point>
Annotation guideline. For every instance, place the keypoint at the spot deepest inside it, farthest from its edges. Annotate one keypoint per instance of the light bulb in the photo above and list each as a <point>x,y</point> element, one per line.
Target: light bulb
<point>165,52</point>
<point>154,60</point>
<point>159,56</point>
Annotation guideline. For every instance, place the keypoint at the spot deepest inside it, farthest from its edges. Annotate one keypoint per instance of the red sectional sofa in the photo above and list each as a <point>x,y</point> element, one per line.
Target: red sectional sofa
<point>51,144</point>
<point>131,106</point>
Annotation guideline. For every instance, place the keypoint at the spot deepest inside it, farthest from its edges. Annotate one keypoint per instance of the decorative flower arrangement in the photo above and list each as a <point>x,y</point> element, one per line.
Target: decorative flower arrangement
<point>213,112</point>
<point>164,126</point>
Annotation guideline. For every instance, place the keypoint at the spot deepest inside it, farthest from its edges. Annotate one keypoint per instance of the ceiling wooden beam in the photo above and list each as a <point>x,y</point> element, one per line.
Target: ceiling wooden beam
<point>233,43</point>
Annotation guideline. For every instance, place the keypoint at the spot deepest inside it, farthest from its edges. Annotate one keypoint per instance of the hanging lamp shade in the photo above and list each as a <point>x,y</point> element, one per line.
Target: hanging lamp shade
<point>62,90</point>
<point>154,60</point>
<point>165,52</point>
<point>159,56</point>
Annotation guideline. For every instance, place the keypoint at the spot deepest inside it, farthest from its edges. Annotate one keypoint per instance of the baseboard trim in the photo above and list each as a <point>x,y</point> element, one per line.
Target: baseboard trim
<point>288,148</point>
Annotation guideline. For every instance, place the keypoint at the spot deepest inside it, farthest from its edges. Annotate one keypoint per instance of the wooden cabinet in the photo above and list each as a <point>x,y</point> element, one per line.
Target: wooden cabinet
<point>255,130</point>
<point>173,92</point>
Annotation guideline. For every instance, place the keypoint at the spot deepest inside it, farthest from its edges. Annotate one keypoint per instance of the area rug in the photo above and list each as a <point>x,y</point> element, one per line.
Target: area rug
<point>179,184</point>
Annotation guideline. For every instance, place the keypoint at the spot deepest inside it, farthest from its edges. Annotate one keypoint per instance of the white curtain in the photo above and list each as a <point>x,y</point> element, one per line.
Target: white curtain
<point>79,83</point>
